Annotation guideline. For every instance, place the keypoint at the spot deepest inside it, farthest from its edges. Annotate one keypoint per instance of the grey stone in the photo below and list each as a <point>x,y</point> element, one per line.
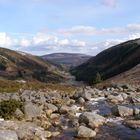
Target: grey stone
<point>8,135</point>
<point>84,132</point>
<point>31,110</point>
<point>122,111</point>
<point>81,100</point>
<point>91,119</point>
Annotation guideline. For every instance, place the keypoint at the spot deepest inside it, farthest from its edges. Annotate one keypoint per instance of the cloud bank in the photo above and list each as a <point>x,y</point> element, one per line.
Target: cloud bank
<point>69,40</point>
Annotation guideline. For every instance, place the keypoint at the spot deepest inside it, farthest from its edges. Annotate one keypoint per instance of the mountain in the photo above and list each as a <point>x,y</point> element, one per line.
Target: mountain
<point>19,65</point>
<point>67,60</point>
<point>110,62</point>
<point>132,77</point>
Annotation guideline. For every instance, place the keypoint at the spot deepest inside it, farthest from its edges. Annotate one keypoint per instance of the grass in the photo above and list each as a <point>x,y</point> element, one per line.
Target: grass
<point>14,86</point>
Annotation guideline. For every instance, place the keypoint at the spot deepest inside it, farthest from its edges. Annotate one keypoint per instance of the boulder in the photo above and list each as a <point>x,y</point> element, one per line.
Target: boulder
<point>19,114</point>
<point>31,110</point>
<point>8,135</point>
<point>115,98</point>
<point>86,95</point>
<point>81,100</point>
<point>64,109</point>
<point>43,134</point>
<point>133,124</point>
<point>51,107</point>
<point>122,111</point>
<point>84,132</point>
<point>91,119</point>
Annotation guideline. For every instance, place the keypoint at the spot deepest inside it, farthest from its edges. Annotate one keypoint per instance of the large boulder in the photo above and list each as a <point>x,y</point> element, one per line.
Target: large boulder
<point>122,111</point>
<point>115,98</point>
<point>8,135</point>
<point>31,110</point>
<point>84,132</point>
<point>51,107</point>
<point>133,124</point>
<point>91,119</point>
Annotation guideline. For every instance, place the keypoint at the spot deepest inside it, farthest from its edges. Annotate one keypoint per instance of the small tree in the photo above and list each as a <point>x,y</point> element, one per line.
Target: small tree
<point>97,78</point>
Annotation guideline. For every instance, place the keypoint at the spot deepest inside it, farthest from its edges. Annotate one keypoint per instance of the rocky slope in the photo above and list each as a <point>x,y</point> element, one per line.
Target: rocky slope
<point>19,65</point>
<point>110,62</point>
<point>109,114</point>
<point>67,60</point>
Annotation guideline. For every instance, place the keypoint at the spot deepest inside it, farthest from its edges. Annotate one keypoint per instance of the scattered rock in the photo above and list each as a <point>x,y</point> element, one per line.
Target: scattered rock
<point>84,132</point>
<point>115,98</point>
<point>122,111</point>
<point>91,119</point>
<point>133,123</point>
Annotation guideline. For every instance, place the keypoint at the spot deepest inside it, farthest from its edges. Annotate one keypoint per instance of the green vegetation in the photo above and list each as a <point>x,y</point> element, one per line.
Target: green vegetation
<point>10,86</point>
<point>97,78</point>
<point>8,108</point>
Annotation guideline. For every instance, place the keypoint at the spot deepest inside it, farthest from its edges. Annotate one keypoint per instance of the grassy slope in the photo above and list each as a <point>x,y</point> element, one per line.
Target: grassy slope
<point>15,65</point>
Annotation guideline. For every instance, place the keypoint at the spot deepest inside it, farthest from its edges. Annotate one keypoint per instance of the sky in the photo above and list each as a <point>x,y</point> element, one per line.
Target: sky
<point>74,26</point>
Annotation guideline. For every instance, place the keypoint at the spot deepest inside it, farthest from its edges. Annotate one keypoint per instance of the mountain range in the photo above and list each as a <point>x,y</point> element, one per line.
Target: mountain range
<point>118,63</point>
<point>67,60</point>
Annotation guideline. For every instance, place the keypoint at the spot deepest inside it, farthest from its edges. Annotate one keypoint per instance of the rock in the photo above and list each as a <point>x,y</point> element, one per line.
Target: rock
<point>133,123</point>
<point>122,111</point>
<point>5,96</point>
<point>31,110</point>
<point>136,111</point>
<point>78,93</point>
<point>15,96</point>
<point>25,96</point>
<point>51,107</point>
<point>64,109</point>
<point>19,114</point>
<point>91,119</point>
<point>86,95</point>
<point>124,95</point>
<point>69,101</point>
<point>81,100</point>
<point>84,132</point>
<point>115,98</point>
<point>135,99</point>
<point>54,134</point>
<point>8,135</point>
<point>54,116</point>
<point>43,134</point>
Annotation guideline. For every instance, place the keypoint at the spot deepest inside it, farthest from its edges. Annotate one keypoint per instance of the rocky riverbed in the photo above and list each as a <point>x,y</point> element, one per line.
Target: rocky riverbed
<point>88,113</point>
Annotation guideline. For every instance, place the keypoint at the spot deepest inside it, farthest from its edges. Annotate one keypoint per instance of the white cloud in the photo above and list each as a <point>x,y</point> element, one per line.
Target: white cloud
<point>63,42</point>
<point>80,39</point>
<point>24,42</point>
<point>90,30</point>
<point>5,40</point>
<point>134,36</point>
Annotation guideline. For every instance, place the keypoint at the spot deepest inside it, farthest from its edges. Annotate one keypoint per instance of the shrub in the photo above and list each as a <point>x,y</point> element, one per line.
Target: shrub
<point>97,78</point>
<point>8,108</point>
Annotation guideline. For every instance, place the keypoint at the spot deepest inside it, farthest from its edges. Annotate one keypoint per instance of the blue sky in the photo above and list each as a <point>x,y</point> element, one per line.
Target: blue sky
<point>84,26</point>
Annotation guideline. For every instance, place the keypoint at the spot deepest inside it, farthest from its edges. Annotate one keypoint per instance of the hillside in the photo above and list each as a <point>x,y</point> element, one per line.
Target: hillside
<point>131,77</point>
<point>67,60</point>
<point>110,62</point>
<point>19,65</point>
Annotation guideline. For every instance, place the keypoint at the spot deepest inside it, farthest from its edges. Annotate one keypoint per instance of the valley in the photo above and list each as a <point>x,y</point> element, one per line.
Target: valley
<point>40,99</point>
